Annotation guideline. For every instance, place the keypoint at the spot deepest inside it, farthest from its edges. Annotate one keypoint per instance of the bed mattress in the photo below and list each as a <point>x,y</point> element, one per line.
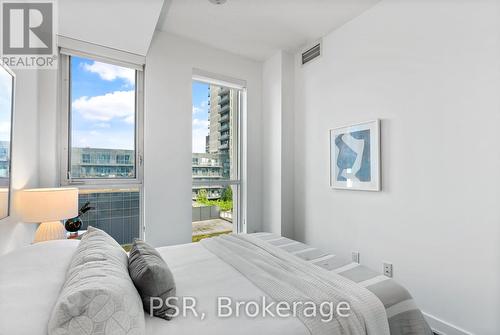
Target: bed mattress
<point>32,277</point>
<point>199,273</point>
<point>202,274</point>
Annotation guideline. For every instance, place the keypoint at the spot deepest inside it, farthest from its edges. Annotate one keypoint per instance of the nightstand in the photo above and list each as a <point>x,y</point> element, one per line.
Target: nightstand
<point>76,235</point>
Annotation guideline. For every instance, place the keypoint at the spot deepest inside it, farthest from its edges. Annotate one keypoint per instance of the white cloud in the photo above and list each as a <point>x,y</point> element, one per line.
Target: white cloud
<point>130,119</point>
<point>197,123</point>
<point>201,108</point>
<point>102,125</point>
<point>111,72</point>
<point>116,105</point>
<point>199,140</point>
<point>197,110</point>
<point>5,131</point>
<point>108,139</point>
<point>200,131</point>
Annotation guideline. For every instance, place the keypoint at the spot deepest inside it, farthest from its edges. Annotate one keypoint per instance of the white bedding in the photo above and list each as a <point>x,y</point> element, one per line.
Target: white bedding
<point>201,274</point>
<point>31,278</point>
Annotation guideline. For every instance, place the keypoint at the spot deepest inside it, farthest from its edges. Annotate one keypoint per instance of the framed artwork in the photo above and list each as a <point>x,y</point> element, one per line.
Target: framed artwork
<point>355,157</point>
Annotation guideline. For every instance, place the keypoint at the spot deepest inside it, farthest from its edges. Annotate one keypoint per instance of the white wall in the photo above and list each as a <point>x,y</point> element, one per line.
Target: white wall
<point>13,233</point>
<point>168,118</point>
<point>287,144</point>
<point>49,126</point>
<point>430,71</point>
<point>277,144</point>
<point>271,144</point>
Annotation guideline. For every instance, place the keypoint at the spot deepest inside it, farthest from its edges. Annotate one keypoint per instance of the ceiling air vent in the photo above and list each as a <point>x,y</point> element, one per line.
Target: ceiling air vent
<point>311,53</point>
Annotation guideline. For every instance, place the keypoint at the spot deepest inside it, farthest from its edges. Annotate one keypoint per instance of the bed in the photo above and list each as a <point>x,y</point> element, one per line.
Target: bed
<point>31,278</point>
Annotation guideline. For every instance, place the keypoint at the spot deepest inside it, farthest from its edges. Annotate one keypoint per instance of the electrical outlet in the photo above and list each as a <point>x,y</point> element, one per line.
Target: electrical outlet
<point>355,257</point>
<point>388,269</point>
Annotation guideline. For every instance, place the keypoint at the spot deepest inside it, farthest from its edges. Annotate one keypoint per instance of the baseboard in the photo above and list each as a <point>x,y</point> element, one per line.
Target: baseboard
<point>441,327</point>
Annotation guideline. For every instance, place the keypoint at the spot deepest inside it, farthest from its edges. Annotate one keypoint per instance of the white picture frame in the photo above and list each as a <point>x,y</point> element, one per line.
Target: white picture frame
<point>355,156</point>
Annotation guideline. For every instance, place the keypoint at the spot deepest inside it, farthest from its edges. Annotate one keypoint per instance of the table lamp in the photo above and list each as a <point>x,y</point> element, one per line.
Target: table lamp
<point>48,206</point>
<point>4,202</point>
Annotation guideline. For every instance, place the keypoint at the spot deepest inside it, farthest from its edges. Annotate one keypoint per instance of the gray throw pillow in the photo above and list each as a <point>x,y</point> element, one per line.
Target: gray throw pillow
<point>152,278</point>
<point>98,296</point>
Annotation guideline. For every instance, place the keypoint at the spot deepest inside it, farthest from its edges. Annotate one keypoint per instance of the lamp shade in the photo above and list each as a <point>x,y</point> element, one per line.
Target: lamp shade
<point>50,231</point>
<point>4,202</point>
<point>48,204</point>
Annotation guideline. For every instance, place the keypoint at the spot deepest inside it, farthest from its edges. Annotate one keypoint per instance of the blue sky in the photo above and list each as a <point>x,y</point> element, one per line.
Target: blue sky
<point>103,105</point>
<point>200,115</point>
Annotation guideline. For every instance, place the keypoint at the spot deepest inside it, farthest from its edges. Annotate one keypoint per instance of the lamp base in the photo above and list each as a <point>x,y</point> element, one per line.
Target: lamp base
<point>53,230</point>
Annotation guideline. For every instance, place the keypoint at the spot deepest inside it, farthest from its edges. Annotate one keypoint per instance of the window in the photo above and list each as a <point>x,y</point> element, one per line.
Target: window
<point>102,141</point>
<point>216,189</point>
<point>104,158</point>
<point>102,115</point>
<point>122,159</point>
<point>86,158</point>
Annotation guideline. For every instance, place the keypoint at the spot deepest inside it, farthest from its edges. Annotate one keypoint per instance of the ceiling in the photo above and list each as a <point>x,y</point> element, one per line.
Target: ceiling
<point>126,25</point>
<point>258,28</point>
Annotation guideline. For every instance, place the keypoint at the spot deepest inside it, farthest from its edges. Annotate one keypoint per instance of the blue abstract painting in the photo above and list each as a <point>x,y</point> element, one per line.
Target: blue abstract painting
<point>353,159</point>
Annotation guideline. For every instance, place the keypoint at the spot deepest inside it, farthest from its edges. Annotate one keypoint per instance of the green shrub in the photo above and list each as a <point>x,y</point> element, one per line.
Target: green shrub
<point>202,196</point>
<point>223,205</point>
<point>227,194</point>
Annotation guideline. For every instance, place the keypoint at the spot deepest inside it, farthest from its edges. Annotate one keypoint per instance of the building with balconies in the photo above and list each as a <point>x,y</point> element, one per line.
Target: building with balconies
<point>95,162</point>
<point>206,166</point>
<point>4,163</point>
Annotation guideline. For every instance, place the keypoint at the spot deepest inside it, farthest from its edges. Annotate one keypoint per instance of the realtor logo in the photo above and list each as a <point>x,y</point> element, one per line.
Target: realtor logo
<point>28,34</point>
<point>27,28</point>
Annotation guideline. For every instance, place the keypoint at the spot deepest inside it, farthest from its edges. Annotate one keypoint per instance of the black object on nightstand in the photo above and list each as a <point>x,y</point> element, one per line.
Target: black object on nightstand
<point>73,225</point>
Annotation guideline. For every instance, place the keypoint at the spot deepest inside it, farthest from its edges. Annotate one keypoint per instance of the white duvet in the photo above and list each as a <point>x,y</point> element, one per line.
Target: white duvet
<point>30,280</point>
<point>31,277</point>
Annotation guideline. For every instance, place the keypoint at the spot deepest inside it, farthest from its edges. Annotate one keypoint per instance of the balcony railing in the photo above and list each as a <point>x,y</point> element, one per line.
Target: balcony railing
<point>213,196</point>
<point>211,187</point>
<point>211,176</point>
<point>212,166</point>
<point>223,91</point>
<point>224,109</point>
<point>225,118</point>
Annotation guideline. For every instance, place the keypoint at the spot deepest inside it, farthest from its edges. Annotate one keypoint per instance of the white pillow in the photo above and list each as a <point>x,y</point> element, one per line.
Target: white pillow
<point>98,296</point>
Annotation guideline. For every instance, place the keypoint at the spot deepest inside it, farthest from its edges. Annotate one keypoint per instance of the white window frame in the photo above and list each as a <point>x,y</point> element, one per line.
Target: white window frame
<point>239,150</point>
<point>65,122</point>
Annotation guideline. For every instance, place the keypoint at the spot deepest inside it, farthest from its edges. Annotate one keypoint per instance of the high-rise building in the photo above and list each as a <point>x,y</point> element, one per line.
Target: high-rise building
<point>223,106</point>
<point>213,120</point>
